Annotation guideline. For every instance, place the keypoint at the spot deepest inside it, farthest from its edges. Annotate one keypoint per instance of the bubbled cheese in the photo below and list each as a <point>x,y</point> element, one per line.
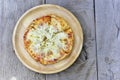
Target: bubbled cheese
<point>47,38</point>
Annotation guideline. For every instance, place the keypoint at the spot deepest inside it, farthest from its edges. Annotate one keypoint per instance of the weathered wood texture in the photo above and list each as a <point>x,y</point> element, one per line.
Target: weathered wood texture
<point>85,66</point>
<point>108,38</point>
<point>10,67</point>
<point>107,33</point>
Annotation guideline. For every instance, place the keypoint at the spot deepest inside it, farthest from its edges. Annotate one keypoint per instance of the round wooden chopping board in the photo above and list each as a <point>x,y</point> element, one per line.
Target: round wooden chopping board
<point>31,15</point>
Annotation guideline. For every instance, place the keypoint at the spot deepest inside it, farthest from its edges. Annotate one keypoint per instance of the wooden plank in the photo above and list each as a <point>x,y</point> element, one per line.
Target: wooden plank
<point>85,66</point>
<point>0,25</point>
<point>10,67</point>
<point>108,39</point>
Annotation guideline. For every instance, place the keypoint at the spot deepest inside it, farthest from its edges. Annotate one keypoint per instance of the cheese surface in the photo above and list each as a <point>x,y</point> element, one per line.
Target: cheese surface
<point>47,38</point>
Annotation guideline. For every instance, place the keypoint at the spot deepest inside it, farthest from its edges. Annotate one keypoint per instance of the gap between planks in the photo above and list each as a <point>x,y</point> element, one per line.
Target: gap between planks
<point>95,37</point>
<point>44,1</point>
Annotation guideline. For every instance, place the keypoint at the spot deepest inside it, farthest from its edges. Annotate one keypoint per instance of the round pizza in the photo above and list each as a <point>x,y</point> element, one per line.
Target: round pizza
<point>48,39</point>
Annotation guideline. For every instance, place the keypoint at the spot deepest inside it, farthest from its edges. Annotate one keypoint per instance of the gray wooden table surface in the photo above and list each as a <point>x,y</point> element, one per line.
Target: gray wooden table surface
<point>99,59</point>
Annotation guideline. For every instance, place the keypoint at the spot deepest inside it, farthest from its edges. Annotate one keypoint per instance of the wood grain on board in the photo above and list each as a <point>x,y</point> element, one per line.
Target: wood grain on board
<point>85,66</point>
<point>10,67</point>
<point>108,38</point>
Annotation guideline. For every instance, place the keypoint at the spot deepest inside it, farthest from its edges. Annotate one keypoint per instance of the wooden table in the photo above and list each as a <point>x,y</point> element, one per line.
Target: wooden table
<point>99,59</point>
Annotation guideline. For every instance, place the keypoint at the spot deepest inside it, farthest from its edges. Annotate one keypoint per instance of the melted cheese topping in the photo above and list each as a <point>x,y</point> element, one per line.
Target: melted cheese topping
<point>47,38</point>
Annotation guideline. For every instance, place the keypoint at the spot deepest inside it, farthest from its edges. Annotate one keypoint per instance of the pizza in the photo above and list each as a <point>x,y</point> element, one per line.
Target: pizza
<point>48,39</point>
